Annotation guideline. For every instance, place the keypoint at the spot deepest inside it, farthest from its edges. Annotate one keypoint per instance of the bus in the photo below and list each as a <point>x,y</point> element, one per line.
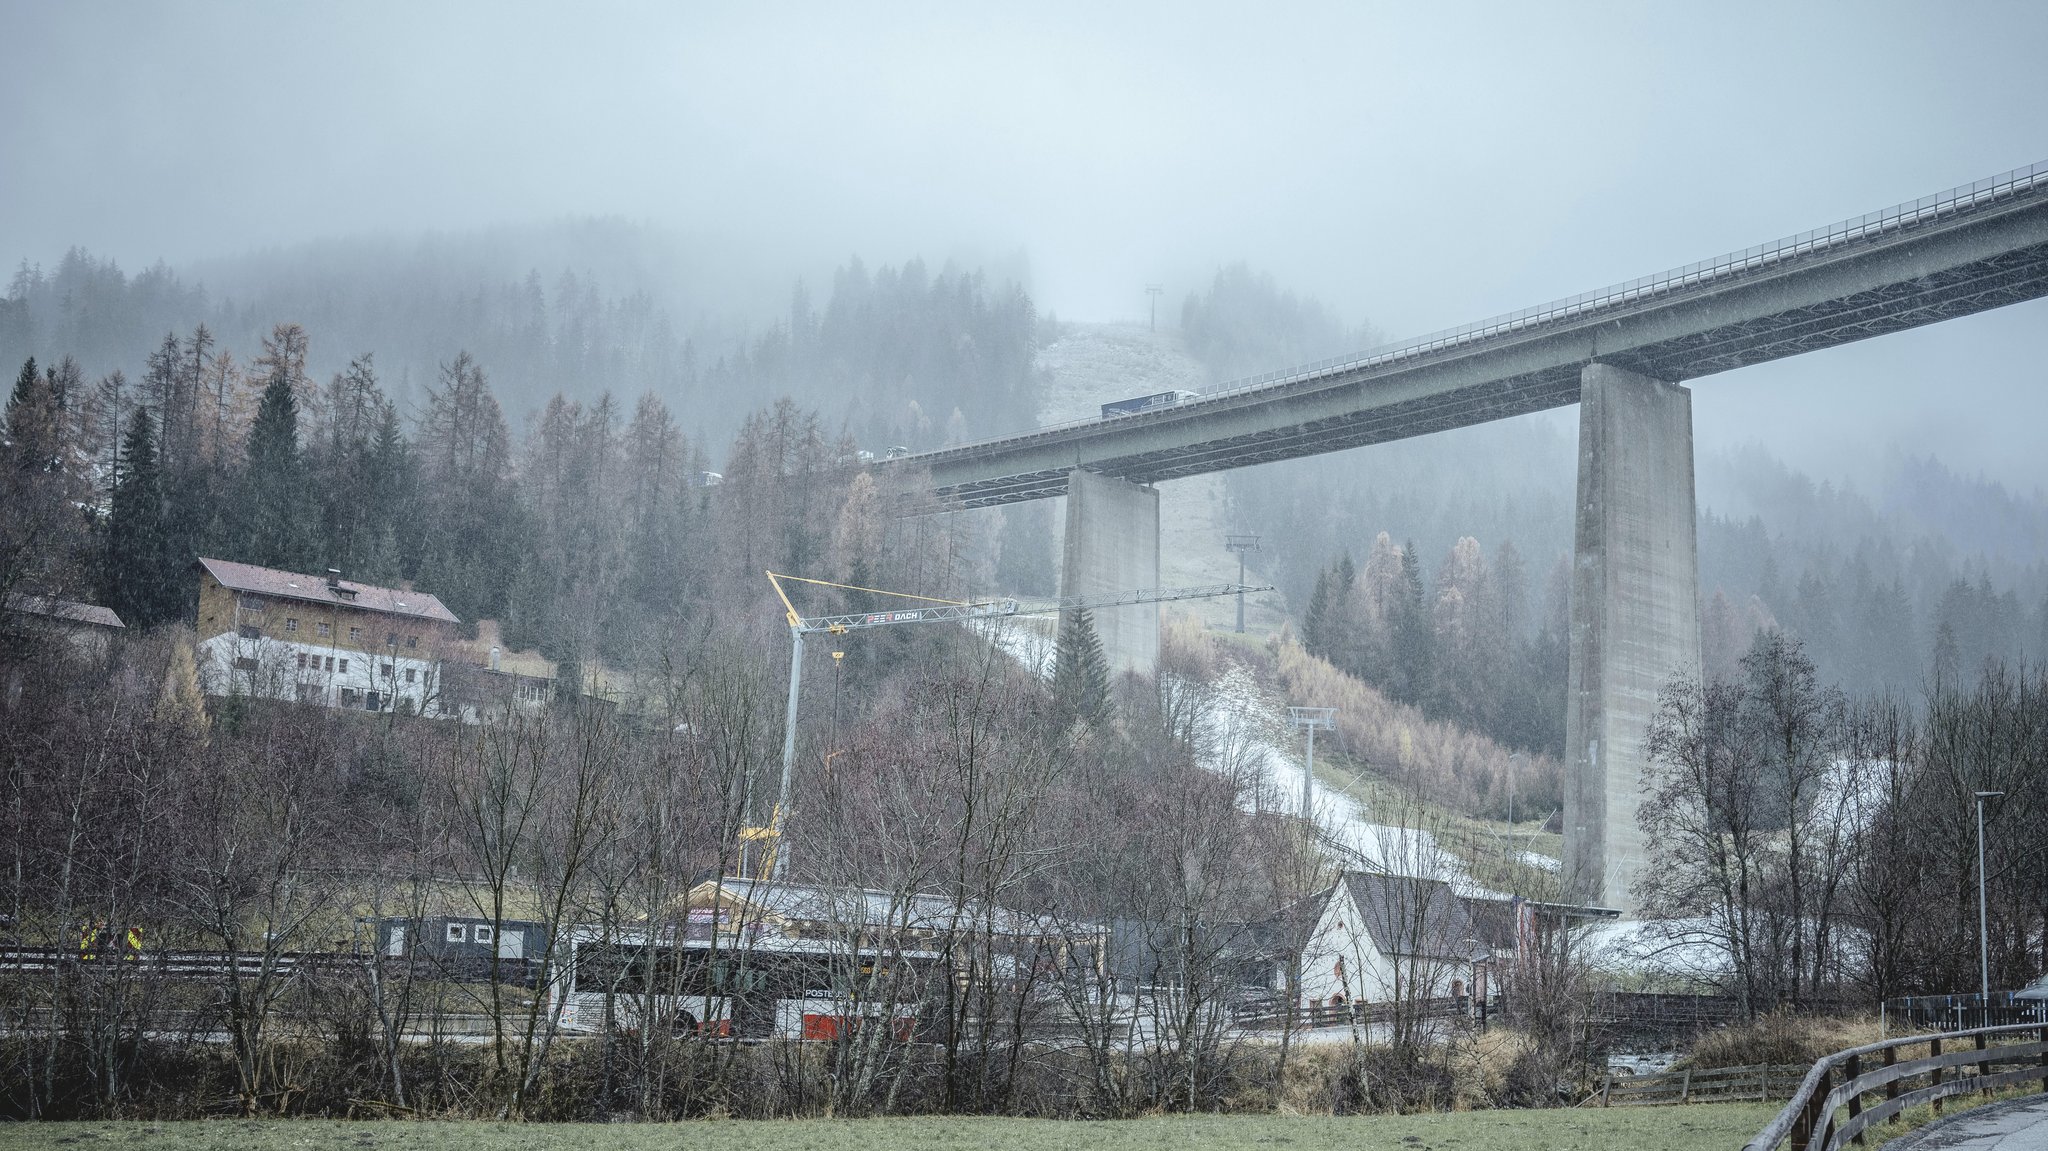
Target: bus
<point>752,959</point>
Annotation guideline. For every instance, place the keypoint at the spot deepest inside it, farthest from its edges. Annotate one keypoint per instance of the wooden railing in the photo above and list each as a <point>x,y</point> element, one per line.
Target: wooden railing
<point>1838,1083</point>
<point>1761,1082</point>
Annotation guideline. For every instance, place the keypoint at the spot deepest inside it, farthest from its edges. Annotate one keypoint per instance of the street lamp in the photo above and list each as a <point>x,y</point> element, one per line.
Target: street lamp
<point>1983,912</point>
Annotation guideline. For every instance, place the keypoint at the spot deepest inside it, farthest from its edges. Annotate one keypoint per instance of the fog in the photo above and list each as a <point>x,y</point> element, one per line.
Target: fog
<point>1412,168</point>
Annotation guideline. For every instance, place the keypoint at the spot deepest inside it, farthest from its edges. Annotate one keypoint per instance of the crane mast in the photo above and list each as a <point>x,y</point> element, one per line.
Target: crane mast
<point>928,610</point>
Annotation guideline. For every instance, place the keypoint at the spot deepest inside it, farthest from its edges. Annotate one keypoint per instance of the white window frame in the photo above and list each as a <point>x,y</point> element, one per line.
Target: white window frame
<point>458,933</point>
<point>481,933</point>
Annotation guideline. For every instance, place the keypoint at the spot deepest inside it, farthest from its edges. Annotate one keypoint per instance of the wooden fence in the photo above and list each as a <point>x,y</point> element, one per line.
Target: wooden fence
<point>1758,1083</point>
<point>1267,1016</point>
<point>1828,1112</point>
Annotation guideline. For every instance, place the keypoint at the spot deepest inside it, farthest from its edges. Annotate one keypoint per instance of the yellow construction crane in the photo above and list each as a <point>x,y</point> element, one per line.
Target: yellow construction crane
<point>931,610</point>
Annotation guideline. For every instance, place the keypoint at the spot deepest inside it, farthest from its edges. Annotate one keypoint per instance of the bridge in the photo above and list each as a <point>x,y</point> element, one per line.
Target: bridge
<point>1621,354</point>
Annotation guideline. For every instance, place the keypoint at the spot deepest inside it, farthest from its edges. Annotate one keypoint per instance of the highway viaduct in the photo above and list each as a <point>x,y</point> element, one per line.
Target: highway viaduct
<point>1621,353</point>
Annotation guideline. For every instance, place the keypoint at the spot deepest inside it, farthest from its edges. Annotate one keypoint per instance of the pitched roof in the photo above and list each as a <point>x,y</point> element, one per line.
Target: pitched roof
<point>69,611</point>
<point>1408,916</point>
<point>314,589</point>
<point>866,906</point>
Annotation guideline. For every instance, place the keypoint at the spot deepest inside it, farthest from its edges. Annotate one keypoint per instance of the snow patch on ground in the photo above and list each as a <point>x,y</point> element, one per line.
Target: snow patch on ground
<point>1250,739</point>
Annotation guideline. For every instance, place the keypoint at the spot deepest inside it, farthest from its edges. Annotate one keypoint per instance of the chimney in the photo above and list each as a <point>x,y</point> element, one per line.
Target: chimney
<point>334,579</point>
<point>494,658</point>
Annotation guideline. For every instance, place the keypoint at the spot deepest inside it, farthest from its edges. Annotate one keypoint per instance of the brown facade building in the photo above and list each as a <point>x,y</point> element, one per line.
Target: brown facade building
<point>323,640</point>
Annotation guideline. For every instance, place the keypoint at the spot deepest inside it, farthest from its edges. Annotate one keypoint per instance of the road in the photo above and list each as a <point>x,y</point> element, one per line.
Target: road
<point>2017,1125</point>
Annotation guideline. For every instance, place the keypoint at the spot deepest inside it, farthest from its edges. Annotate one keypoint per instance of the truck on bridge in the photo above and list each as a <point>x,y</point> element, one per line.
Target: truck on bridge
<point>1137,404</point>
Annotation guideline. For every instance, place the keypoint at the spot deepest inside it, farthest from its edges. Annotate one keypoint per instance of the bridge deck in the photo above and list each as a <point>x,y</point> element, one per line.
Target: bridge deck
<point>1967,250</point>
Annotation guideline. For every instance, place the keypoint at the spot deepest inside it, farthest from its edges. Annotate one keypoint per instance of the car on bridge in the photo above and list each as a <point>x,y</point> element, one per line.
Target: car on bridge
<point>1137,404</point>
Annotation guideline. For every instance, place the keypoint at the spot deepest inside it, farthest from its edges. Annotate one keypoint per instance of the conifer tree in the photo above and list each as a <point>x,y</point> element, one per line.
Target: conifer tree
<point>1414,647</point>
<point>1080,676</point>
<point>137,577</point>
<point>275,508</point>
<point>34,422</point>
<point>1315,622</point>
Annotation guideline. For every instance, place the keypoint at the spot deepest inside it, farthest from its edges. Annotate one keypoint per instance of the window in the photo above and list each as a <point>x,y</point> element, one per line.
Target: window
<point>291,623</point>
<point>387,671</point>
<point>458,933</point>
<point>344,667</point>
<point>248,602</point>
<point>412,641</point>
<point>391,639</point>
<point>245,663</point>
<point>349,697</point>
<point>412,675</point>
<point>482,934</point>
<point>355,635</point>
<point>323,630</point>
<point>248,632</point>
<point>302,661</point>
<point>330,663</point>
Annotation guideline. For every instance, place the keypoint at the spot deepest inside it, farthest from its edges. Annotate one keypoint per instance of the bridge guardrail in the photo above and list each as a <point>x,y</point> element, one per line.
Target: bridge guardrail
<point>1839,1082</point>
<point>2030,180</point>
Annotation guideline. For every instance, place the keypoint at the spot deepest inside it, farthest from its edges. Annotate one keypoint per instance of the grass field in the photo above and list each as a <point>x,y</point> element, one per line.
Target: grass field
<point>1703,1127</point>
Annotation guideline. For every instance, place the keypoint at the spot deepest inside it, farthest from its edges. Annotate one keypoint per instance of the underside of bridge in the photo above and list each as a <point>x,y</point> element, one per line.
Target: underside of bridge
<point>1966,251</point>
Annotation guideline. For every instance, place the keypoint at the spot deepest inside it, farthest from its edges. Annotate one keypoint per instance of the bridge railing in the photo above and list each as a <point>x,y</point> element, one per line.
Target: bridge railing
<point>1828,1111</point>
<point>1869,227</point>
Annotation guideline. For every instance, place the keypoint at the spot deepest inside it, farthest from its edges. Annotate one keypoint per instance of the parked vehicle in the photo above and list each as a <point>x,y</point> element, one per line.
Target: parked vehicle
<point>708,480</point>
<point>1137,404</point>
<point>896,453</point>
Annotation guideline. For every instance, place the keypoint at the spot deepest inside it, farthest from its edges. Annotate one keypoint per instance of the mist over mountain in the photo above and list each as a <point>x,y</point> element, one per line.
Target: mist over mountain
<point>582,308</point>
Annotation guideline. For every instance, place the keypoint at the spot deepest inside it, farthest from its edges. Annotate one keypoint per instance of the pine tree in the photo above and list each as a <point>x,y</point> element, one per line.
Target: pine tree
<point>275,508</point>
<point>137,578</point>
<point>1080,677</point>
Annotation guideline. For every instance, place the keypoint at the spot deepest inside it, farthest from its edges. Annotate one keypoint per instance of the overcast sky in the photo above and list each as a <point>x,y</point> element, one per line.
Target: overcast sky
<point>1414,166</point>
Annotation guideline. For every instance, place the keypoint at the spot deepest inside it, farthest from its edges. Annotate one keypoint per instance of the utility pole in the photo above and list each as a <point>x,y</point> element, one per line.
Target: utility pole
<point>1983,916</point>
<point>1241,543</point>
<point>1153,290</point>
<point>1513,761</point>
<point>1311,718</point>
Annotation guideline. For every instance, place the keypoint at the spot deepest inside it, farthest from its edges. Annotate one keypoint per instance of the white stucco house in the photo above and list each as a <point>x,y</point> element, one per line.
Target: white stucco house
<point>1389,938</point>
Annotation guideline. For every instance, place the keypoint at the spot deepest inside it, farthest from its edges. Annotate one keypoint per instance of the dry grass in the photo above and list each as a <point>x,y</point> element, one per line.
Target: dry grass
<point>1705,1127</point>
<point>1780,1038</point>
<point>1451,766</point>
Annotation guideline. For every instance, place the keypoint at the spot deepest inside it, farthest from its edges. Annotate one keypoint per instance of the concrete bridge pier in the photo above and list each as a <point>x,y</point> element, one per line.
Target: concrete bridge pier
<point>1635,618</point>
<point>1112,545</point>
